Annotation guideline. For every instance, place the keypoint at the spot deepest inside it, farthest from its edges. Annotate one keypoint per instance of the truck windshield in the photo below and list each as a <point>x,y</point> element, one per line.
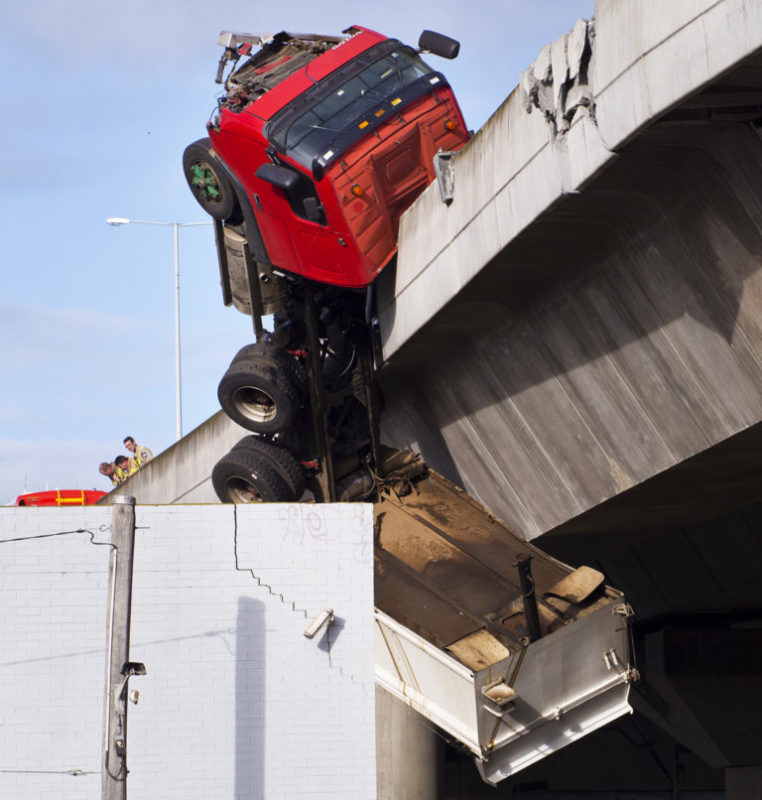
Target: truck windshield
<point>309,134</point>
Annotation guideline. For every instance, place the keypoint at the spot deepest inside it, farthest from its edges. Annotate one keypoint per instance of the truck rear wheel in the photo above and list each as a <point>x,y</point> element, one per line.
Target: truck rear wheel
<point>208,182</point>
<point>258,396</point>
<point>279,459</point>
<point>281,359</point>
<point>245,476</point>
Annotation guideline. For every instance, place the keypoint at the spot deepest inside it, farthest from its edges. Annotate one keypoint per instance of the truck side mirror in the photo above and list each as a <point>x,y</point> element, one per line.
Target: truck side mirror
<point>439,44</point>
<point>281,177</point>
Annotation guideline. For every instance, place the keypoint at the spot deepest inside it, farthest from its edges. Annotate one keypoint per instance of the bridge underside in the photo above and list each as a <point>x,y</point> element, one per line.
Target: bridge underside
<point>605,369</point>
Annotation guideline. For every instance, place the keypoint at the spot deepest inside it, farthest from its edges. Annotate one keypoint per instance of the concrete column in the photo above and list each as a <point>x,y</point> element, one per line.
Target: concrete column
<point>743,783</point>
<point>409,755</point>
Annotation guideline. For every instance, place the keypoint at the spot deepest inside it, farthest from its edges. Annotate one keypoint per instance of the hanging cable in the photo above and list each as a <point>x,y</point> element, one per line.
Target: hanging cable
<point>101,529</point>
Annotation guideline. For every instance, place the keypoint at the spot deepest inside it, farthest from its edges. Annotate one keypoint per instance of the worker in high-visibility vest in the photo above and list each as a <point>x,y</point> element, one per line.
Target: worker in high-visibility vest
<point>124,467</point>
<point>140,453</point>
<point>108,469</point>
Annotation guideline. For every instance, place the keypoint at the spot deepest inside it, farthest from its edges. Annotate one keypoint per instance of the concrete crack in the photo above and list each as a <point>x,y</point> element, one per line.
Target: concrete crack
<point>296,609</point>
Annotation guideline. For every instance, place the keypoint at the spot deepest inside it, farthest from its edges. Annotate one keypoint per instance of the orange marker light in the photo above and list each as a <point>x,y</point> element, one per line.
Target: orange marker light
<point>450,124</point>
<point>357,190</point>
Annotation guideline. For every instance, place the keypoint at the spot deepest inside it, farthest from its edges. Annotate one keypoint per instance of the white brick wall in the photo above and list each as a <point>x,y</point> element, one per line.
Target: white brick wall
<point>236,702</point>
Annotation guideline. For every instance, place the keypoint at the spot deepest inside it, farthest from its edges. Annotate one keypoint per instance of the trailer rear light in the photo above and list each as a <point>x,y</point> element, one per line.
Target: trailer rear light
<point>357,190</point>
<point>450,124</point>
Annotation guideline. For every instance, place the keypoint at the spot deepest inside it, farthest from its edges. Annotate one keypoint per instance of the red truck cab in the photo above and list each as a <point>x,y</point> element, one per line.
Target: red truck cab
<point>320,143</point>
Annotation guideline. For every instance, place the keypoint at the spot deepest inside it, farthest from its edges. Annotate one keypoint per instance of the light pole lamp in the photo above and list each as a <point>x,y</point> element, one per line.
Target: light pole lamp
<point>176,226</point>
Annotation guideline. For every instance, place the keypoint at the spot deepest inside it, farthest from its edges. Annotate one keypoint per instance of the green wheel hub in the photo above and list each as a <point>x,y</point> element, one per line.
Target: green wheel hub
<point>209,182</point>
<point>205,182</point>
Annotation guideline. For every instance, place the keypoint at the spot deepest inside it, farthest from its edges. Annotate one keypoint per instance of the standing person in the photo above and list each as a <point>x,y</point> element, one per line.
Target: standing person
<point>140,453</point>
<point>108,468</point>
<point>124,467</point>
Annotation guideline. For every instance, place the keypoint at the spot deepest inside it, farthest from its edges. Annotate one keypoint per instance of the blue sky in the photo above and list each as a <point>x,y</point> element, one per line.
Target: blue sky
<point>100,99</point>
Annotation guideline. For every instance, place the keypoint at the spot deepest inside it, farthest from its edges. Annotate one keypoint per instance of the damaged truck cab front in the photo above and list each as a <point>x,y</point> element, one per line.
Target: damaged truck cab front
<point>320,143</point>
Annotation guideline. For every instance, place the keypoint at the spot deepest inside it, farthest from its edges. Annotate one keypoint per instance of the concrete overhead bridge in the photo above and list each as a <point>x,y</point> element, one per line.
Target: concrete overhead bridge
<point>583,317</point>
<point>574,336</point>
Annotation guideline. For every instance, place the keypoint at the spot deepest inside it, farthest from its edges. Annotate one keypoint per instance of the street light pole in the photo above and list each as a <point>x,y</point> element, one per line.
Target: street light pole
<point>178,379</point>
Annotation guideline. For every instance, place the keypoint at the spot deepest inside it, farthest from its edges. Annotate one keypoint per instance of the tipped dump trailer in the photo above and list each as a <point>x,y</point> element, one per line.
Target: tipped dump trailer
<point>507,650</point>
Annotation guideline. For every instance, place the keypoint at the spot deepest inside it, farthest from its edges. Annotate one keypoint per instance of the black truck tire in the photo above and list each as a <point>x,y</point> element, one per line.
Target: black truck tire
<point>291,367</point>
<point>245,476</point>
<point>208,182</point>
<point>258,396</point>
<point>287,467</point>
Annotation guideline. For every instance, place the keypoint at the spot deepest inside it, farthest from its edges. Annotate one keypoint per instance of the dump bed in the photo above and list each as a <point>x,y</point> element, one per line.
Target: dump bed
<point>454,640</point>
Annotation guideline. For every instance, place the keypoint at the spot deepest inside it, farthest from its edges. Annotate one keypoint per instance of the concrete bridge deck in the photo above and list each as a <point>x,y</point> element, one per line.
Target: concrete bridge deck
<point>583,318</point>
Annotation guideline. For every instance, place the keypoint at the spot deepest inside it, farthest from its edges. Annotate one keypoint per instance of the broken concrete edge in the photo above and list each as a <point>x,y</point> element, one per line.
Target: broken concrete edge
<point>557,83</point>
<point>501,189</point>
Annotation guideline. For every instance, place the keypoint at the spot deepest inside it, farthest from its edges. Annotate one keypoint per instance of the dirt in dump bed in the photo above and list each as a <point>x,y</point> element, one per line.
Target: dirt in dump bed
<point>445,568</point>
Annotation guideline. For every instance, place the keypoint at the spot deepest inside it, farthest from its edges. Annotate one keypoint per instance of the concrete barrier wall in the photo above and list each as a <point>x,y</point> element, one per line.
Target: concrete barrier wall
<point>236,701</point>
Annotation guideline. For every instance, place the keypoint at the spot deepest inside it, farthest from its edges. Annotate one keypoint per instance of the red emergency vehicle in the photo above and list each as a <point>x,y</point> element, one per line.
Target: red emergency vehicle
<point>60,497</point>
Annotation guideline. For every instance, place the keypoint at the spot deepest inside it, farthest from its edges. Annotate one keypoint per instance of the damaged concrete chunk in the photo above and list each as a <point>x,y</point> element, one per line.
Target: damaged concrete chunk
<point>575,47</point>
<point>557,82</point>
<point>542,68</point>
<point>526,86</point>
<point>560,68</point>
<point>445,175</point>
